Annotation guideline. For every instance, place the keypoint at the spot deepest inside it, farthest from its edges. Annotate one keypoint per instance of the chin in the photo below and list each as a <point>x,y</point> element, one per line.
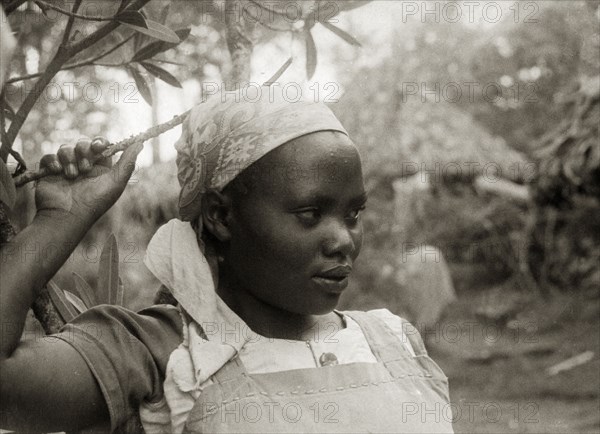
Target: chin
<point>325,308</point>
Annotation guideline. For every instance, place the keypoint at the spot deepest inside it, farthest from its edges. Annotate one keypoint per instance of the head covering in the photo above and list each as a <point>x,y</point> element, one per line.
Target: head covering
<point>220,138</point>
<point>230,131</point>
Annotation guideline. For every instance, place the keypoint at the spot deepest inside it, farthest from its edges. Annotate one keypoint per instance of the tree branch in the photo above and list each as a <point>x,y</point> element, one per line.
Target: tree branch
<point>13,6</point>
<point>239,44</point>
<point>105,29</point>
<point>112,150</point>
<point>53,67</point>
<point>90,62</point>
<point>63,54</point>
<point>71,15</point>
<point>69,26</point>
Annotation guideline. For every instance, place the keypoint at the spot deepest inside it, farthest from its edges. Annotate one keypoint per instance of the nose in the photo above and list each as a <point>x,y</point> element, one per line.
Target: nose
<point>340,240</point>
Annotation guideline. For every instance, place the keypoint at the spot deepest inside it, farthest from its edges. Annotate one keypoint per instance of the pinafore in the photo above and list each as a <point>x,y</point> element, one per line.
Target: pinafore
<point>399,393</point>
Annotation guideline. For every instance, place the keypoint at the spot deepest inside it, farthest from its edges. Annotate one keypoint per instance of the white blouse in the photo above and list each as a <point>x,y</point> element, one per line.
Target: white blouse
<point>348,345</point>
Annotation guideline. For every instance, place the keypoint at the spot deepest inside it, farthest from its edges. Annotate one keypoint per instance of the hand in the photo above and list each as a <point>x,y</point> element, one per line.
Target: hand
<point>79,187</point>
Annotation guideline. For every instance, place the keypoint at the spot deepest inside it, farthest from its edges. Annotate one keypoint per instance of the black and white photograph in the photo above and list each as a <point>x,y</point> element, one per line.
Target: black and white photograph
<point>300,216</point>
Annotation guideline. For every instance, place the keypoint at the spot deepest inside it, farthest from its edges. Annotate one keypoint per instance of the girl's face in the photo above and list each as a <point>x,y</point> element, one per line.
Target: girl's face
<point>297,230</point>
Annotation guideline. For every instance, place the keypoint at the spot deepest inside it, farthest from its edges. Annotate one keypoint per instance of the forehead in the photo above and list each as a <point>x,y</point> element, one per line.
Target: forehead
<point>319,163</point>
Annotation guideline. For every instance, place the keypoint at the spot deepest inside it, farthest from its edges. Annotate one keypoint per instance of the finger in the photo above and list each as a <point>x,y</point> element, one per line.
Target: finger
<point>83,152</point>
<point>126,163</point>
<point>51,163</point>
<point>66,156</point>
<point>98,146</point>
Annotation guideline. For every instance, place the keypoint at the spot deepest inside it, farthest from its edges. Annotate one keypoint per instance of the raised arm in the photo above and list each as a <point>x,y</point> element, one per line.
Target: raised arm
<point>45,385</point>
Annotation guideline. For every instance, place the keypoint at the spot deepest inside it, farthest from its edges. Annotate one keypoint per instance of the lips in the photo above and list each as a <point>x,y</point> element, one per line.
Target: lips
<point>333,279</point>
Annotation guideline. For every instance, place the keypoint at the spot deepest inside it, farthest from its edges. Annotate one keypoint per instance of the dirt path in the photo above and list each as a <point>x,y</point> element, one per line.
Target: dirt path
<point>498,369</point>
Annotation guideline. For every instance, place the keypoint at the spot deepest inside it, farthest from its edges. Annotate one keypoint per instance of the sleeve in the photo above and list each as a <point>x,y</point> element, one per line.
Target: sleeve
<point>127,353</point>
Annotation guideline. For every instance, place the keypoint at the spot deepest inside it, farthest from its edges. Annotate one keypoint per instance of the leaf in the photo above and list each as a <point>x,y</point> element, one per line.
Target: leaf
<point>108,271</point>
<point>161,73</point>
<point>8,110</point>
<point>168,62</point>
<point>60,302</point>
<point>8,192</point>
<point>279,72</point>
<point>43,8</point>
<point>123,5</point>
<point>141,84</point>
<point>120,293</point>
<point>85,291</point>
<point>132,18</point>
<point>311,55</point>
<point>75,301</point>
<point>342,34</point>
<point>156,47</point>
<point>139,40</point>
<point>348,5</point>
<point>156,30</point>
<point>164,13</point>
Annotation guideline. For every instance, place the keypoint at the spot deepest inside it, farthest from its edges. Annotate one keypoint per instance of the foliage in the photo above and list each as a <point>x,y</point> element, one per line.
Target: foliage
<point>536,63</point>
<point>109,288</point>
<point>401,130</point>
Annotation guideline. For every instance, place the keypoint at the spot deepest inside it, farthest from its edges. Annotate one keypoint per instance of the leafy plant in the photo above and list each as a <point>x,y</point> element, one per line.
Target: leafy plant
<point>110,289</point>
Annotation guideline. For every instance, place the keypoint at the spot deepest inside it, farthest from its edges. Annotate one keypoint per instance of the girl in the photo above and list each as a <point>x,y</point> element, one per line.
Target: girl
<point>271,195</point>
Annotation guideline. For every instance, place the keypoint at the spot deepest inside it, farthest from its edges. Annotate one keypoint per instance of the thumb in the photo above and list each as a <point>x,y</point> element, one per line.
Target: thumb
<point>126,164</point>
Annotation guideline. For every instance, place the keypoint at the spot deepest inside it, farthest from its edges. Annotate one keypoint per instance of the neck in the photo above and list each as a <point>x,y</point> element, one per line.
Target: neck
<point>270,321</point>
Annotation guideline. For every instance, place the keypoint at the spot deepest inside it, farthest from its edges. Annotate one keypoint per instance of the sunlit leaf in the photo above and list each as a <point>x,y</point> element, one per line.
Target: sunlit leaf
<point>75,301</point>
<point>342,34</point>
<point>311,55</point>
<point>60,302</point>
<point>133,18</point>
<point>156,47</point>
<point>141,84</point>
<point>108,271</point>
<point>162,74</point>
<point>168,62</point>
<point>279,72</point>
<point>85,291</point>
<point>120,293</point>
<point>157,30</point>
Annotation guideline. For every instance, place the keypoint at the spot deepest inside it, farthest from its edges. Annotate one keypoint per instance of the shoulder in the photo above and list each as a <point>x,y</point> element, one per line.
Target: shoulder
<point>399,327</point>
<point>158,329</point>
<point>160,318</point>
<point>126,351</point>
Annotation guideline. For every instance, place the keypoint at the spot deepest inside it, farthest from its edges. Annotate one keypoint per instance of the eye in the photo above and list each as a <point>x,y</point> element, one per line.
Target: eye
<point>309,216</point>
<point>355,214</point>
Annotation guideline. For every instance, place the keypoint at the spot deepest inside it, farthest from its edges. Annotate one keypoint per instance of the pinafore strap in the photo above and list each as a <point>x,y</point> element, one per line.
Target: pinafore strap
<point>385,344</point>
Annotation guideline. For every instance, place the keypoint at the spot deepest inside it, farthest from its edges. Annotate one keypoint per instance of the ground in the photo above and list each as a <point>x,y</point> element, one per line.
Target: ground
<point>498,369</point>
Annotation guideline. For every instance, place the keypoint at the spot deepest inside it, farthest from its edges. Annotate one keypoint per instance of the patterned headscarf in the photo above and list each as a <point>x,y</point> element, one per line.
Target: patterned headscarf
<point>230,131</point>
<point>221,138</point>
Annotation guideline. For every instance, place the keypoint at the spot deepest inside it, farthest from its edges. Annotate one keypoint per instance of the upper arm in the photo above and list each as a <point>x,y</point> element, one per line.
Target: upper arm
<point>46,385</point>
<point>98,369</point>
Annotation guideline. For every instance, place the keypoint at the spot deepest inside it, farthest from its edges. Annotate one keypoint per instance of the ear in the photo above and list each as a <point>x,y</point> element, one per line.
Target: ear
<point>216,214</point>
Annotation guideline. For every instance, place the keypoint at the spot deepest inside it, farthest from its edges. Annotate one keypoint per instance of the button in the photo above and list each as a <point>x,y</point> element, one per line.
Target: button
<point>328,359</point>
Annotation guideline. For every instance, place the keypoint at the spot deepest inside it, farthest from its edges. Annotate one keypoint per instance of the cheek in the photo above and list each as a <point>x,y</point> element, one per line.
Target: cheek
<point>272,248</point>
<point>357,237</point>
